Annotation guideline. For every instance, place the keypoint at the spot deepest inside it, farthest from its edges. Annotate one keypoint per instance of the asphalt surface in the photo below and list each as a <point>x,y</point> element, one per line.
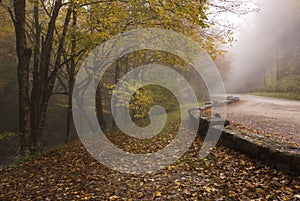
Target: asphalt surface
<point>278,118</point>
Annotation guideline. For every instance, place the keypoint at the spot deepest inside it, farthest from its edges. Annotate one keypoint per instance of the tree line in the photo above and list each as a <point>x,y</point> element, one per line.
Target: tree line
<point>52,38</point>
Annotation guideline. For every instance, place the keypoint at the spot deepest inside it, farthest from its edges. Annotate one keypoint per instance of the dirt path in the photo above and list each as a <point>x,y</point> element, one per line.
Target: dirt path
<point>278,119</point>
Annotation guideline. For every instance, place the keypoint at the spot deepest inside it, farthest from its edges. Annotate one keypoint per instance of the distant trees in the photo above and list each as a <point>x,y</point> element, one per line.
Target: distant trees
<point>283,74</point>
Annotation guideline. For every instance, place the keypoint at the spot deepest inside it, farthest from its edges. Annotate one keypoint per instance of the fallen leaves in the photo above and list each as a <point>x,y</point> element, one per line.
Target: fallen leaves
<point>272,130</point>
<point>114,197</point>
<point>69,173</point>
<point>157,194</point>
<point>296,196</point>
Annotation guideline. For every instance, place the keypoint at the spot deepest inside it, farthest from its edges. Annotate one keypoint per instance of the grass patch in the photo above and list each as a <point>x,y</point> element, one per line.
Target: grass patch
<point>289,96</point>
<point>159,141</point>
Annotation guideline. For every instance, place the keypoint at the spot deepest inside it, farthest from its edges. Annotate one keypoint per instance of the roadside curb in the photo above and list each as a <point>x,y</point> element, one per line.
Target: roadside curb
<point>278,155</point>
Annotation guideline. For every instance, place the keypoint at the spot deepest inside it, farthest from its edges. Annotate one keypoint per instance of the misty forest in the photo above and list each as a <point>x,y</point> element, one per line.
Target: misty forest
<point>241,141</point>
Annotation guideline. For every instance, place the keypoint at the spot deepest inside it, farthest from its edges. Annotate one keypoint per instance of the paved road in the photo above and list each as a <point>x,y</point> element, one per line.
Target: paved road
<point>279,118</point>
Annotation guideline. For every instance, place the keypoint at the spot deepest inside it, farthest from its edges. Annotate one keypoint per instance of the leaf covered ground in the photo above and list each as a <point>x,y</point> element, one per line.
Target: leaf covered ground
<point>70,173</point>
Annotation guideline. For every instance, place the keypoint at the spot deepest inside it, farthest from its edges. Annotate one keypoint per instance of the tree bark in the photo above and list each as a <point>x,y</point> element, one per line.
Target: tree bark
<point>24,55</point>
<point>43,95</point>
<point>71,74</point>
<point>99,108</point>
<point>49,81</point>
<point>36,83</point>
<point>43,83</point>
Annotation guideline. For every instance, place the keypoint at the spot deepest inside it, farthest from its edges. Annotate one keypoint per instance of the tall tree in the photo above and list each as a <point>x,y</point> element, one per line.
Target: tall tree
<point>24,55</point>
<point>45,66</point>
<point>48,46</point>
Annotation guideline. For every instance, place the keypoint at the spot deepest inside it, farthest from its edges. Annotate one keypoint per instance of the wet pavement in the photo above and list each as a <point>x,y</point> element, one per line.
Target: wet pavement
<point>278,119</point>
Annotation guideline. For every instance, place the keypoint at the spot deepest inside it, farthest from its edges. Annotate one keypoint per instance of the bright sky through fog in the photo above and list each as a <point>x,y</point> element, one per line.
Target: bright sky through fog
<point>236,19</point>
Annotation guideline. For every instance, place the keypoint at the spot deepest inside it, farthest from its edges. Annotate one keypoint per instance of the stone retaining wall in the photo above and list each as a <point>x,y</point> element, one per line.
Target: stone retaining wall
<point>278,155</point>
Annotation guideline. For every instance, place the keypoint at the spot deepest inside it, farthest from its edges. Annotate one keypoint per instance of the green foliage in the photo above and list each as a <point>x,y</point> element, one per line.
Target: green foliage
<point>144,98</point>
<point>290,83</point>
<point>284,76</point>
<point>8,135</point>
<point>289,96</point>
<point>148,96</point>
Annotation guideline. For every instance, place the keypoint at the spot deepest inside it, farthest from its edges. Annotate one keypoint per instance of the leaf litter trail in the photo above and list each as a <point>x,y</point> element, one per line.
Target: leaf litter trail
<point>70,173</point>
<point>275,118</point>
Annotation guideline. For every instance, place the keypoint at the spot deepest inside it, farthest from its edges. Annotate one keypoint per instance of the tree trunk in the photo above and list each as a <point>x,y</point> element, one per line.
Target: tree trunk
<point>71,74</point>
<point>99,108</point>
<point>116,78</point>
<point>24,55</point>
<point>36,83</point>
<point>43,83</point>
<point>277,73</point>
<point>265,78</point>
<point>69,117</point>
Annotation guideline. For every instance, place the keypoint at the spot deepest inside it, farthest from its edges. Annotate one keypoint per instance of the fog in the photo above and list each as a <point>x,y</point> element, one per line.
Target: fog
<point>269,35</point>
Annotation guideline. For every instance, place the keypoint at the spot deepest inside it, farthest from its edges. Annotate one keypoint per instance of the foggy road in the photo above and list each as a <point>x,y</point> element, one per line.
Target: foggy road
<point>277,117</point>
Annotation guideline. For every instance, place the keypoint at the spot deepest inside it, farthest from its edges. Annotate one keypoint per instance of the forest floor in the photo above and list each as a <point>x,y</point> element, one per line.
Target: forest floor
<point>70,173</point>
